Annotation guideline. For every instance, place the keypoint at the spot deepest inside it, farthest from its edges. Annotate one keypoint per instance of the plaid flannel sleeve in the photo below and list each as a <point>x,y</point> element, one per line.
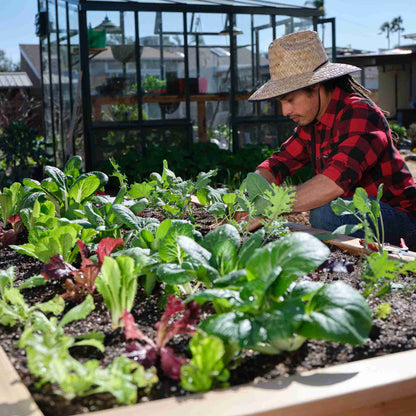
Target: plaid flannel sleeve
<point>362,141</point>
<point>291,156</point>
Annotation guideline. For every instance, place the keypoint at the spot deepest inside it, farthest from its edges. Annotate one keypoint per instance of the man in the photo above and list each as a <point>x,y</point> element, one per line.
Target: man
<point>341,131</point>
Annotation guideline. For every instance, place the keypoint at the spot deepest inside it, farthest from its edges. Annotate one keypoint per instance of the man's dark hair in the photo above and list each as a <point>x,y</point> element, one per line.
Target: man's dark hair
<point>349,85</point>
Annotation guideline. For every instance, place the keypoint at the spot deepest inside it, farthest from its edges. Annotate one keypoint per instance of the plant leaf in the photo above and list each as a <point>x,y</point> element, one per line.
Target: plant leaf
<point>174,274</point>
<point>193,249</point>
<point>125,216</point>
<point>224,232</point>
<point>338,313</point>
<point>83,188</point>
<point>247,249</point>
<point>170,250</point>
<point>297,254</point>
<point>78,312</point>
<point>256,185</point>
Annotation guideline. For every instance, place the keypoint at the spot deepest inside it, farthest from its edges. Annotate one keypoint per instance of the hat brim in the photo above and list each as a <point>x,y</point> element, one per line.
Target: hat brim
<point>274,88</point>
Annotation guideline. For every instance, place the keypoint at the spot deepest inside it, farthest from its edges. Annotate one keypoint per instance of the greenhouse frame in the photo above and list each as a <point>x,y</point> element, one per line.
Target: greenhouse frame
<point>120,76</point>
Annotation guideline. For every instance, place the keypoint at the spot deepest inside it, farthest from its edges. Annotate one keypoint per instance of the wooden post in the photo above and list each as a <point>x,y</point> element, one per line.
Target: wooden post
<point>202,122</point>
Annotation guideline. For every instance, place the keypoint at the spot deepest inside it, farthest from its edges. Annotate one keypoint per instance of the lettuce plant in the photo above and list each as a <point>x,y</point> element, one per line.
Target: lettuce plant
<point>269,313</point>
<point>166,329</point>
<point>13,308</point>
<point>83,278</point>
<point>207,367</point>
<point>38,218</point>
<point>61,240</point>
<point>10,201</point>
<point>117,283</point>
<point>49,359</point>
<point>9,237</point>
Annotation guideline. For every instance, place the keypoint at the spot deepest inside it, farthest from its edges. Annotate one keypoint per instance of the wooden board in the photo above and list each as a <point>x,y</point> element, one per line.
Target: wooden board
<point>15,399</point>
<point>382,386</point>
<point>349,244</point>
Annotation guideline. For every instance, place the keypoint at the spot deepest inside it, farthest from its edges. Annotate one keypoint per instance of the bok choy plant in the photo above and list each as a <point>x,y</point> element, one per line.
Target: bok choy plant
<point>67,189</point>
<point>269,312</point>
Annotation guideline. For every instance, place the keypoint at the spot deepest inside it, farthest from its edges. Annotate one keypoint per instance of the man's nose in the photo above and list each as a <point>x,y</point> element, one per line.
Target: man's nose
<point>286,109</point>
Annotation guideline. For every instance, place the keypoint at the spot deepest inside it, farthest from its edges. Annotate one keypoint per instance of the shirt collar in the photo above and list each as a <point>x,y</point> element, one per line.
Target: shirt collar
<point>328,117</point>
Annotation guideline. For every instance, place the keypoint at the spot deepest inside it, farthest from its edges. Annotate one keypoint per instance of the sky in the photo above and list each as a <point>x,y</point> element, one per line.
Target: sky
<point>357,22</point>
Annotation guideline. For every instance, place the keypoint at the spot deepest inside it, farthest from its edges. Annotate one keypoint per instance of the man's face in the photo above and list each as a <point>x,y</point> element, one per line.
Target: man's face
<point>301,106</point>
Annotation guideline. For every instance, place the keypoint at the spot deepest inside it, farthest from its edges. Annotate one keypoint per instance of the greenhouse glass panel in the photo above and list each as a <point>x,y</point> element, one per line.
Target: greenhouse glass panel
<point>65,69</point>
<point>55,80</point>
<point>113,76</point>
<point>148,72</point>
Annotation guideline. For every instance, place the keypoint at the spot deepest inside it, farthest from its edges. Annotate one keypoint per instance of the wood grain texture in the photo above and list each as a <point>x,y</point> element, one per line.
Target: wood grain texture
<point>349,244</point>
<point>15,399</point>
<point>382,386</point>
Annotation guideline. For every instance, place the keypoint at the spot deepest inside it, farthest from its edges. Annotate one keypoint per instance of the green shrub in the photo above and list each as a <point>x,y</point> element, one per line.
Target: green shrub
<point>21,151</point>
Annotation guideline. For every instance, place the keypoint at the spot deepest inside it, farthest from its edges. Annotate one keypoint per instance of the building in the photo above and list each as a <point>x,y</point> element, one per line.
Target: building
<point>392,74</point>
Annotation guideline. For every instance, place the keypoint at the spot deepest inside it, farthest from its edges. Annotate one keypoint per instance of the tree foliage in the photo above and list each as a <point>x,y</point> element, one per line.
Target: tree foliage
<point>392,27</point>
<point>6,64</point>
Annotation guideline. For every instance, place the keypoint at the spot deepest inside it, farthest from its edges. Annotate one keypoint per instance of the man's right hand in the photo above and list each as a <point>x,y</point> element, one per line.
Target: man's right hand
<point>266,175</point>
<point>255,223</point>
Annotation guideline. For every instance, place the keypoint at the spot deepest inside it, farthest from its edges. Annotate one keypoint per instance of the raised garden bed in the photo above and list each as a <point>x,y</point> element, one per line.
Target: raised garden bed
<point>369,379</point>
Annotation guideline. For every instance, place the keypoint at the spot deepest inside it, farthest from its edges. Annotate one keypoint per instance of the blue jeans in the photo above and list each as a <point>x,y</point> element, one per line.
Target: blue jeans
<point>396,223</point>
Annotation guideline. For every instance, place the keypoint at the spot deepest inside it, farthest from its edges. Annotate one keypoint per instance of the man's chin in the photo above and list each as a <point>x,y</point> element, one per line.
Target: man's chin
<point>303,123</point>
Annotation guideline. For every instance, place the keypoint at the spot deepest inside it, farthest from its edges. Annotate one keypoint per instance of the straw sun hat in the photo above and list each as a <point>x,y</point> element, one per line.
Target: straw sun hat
<point>296,61</point>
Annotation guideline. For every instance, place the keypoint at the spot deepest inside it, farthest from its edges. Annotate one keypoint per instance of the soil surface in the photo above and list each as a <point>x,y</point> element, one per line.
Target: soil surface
<point>395,333</point>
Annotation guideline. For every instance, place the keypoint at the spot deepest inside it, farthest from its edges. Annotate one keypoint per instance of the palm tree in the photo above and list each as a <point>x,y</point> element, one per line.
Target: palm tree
<point>396,26</point>
<point>386,27</point>
<point>318,4</point>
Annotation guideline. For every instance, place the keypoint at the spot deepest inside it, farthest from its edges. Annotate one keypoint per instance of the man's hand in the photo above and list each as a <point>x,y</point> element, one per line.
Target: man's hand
<point>255,223</point>
<point>316,192</point>
<point>266,175</point>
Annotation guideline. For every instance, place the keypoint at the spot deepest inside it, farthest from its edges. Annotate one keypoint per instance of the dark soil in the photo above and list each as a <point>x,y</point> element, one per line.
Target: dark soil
<point>395,333</point>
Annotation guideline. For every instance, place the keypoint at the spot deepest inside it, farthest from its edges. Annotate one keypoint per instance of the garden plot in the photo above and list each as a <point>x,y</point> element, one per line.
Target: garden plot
<point>267,305</point>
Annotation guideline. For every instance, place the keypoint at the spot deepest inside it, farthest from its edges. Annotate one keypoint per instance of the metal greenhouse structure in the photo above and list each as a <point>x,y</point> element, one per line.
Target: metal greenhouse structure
<point>120,76</point>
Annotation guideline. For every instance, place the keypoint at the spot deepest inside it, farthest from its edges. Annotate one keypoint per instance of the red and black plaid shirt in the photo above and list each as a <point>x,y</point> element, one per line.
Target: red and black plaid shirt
<point>354,148</point>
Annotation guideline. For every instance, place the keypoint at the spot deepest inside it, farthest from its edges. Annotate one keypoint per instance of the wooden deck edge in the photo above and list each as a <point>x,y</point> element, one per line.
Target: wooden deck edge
<point>344,242</point>
<point>349,244</point>
<point>15,398</point>
<point>382,386</point>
